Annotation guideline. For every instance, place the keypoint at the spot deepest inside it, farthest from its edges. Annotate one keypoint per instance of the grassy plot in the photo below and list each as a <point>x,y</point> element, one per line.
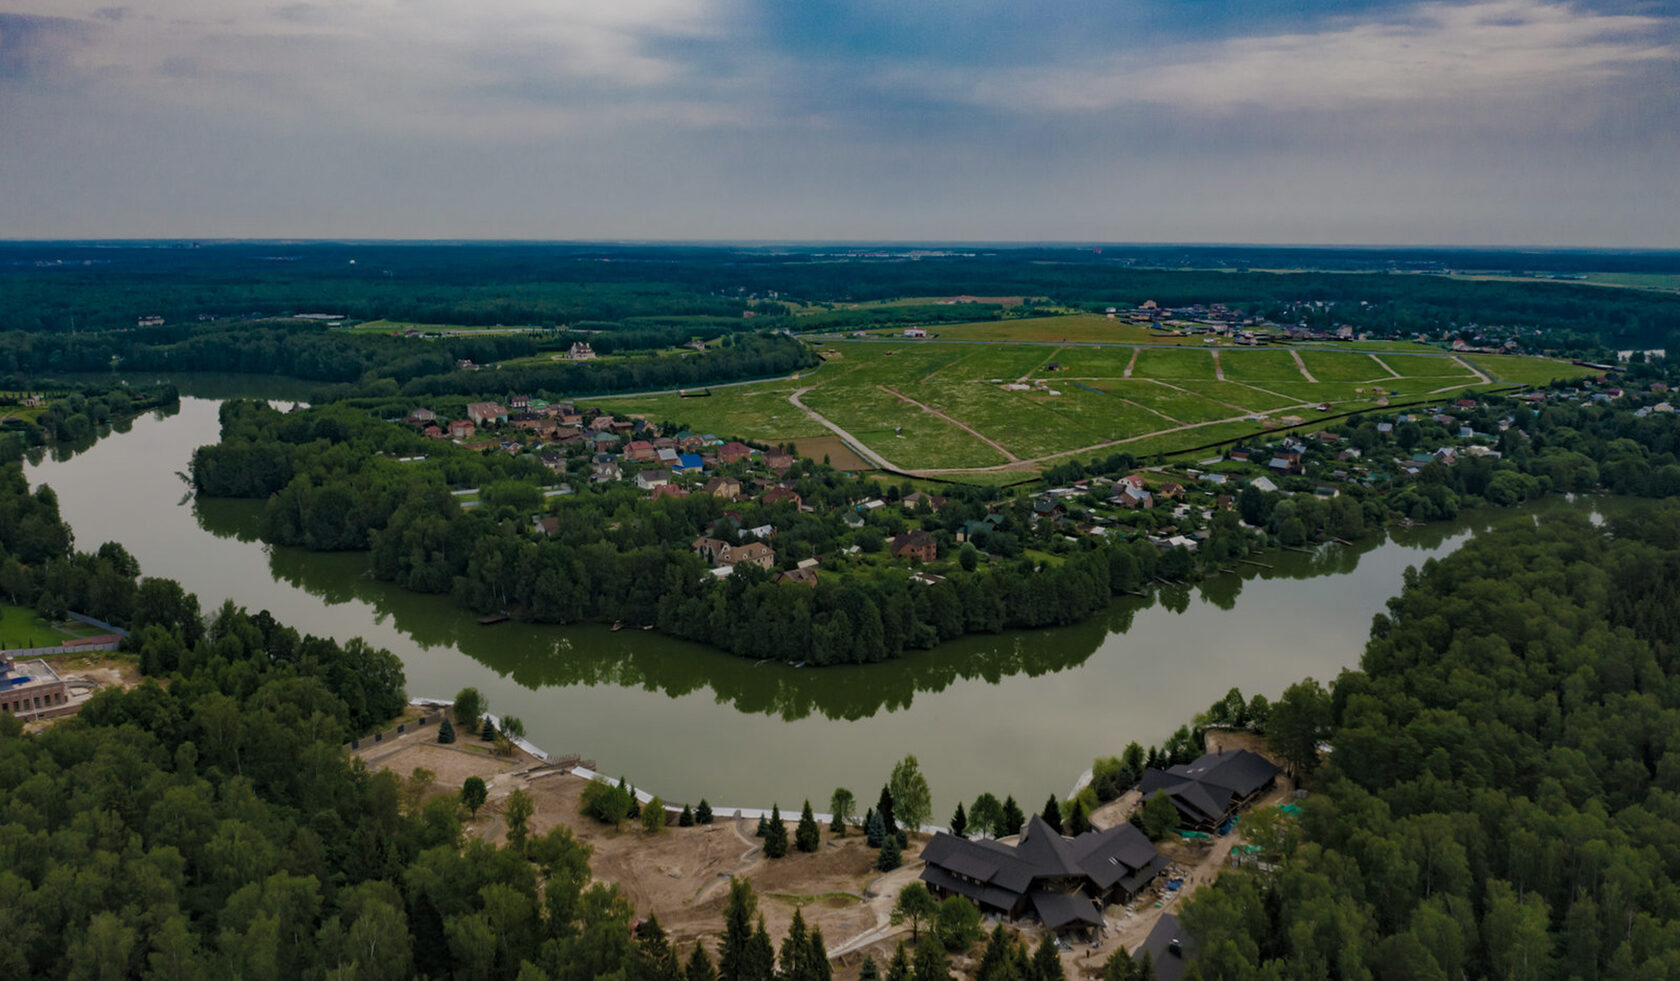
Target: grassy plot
<point>926,441</point>
<point>1087,328</point>
<point>1328,366</point>
<point>1174,363</point>
<point>1261,367</point>
<point>1178,406</point>
<point>20,627</point>
<point>1236,394</point>
<point>1095,362</point>
<point>1520,370</point>
<point>747,411</point>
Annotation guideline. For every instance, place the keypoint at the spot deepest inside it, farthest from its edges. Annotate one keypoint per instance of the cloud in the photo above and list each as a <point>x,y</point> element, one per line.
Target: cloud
<point>1433,52</point>
<point>40,47</point>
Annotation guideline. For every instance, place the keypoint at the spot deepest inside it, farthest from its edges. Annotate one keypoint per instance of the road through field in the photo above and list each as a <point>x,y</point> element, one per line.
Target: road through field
<point>856,444</point>
<point>965,427</point>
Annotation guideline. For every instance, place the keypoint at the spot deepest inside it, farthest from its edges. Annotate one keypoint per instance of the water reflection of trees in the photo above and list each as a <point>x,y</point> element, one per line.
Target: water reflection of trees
<point>537,656</point>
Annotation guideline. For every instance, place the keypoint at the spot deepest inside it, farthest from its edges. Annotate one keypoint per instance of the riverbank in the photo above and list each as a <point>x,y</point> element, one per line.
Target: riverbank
<point>696,723</point>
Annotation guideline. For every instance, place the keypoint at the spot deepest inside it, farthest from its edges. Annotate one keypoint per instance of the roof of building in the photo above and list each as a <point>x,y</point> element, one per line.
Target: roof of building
<point>1169,966</point>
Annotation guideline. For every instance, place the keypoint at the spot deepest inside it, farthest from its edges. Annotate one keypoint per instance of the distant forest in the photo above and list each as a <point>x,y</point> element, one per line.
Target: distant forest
<point>64,287</point>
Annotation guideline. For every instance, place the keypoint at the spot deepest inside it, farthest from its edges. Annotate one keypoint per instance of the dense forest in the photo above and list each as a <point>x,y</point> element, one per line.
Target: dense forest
<point>207,824</point>
<point>64,287</point>
<point>381,364</point>
<point>1498,800</point>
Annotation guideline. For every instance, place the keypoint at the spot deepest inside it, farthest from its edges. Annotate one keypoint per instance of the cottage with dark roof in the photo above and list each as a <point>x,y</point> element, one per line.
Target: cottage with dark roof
<point>1211,790</point>
<point>1062,881</point>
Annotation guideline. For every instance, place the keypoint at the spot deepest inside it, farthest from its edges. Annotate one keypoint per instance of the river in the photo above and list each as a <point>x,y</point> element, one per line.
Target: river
<point>1018,713</point>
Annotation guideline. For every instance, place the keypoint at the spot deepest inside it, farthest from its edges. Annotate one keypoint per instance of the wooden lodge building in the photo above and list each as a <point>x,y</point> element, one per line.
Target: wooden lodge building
<point>1210,791</point>
<point>1062,881</point>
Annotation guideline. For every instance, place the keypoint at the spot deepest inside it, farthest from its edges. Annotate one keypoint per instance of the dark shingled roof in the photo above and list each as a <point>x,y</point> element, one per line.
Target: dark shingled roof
<point>1059,909</point>
<point>1168,966</point>
<point>998,876</point>
<point>1238,770</point>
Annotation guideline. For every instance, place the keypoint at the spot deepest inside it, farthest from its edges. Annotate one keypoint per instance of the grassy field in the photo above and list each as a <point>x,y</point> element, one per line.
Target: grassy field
<point>931,405</point>
<point>20,627</point>
<point>1519,370</point>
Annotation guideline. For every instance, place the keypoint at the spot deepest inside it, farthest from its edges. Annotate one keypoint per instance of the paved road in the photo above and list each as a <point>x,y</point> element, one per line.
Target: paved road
<point>856,444</point>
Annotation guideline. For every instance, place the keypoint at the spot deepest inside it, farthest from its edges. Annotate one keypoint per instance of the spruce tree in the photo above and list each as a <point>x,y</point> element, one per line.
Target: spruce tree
<point>995,961</point>
<point>808,835</point>
<point>869,972</point>
<point>1052,814</point>
<point>1047,961</point>
<point>775,836</point>
<point>759,964</point>
<point>931,963</point>
<point>446,731</point>
<point>795,951</point>
<point>1012,818</point>
<point>699,966</point>
<point>703,813</point>
<point>737,929</point>
<point>959,822</point>
<point>874,831</point>
<point>898,969</point>
<point>488,732</point>
<point>818,956</point>
<point>889,858</point>
<point>686,818</point>
<point>763,826</point>
<point>885,809</point>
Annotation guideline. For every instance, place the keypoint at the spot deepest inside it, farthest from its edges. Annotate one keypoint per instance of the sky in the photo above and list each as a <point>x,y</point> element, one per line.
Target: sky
<point>1483,122</point>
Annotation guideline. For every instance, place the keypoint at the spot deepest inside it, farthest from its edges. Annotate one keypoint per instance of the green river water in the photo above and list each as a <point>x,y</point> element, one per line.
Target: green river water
<point>1018,713</point>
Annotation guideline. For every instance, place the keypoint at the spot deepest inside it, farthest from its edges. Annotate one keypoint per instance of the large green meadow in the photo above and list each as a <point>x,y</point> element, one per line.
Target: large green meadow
<point>1013,394</point>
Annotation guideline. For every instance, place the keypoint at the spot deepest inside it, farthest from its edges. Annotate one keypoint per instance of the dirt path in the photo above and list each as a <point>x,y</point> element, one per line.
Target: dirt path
<point>1132,363</point>
<point>1047,359</point>
<point>1385,366</point>
<point>859,446</point>
<point>1218,369</point>
<point>965,427</point>
<point>1228,405</point>
<point>1483,379</point>
<point>1153,412</point>
<point>880,895</point>
<point>1303,366</point>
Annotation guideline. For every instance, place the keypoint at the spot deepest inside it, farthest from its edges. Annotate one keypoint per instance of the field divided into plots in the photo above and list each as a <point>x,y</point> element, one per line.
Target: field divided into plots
<point>1016,395</point>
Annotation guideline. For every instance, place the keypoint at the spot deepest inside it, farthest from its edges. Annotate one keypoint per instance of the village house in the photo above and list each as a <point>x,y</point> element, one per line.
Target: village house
<point>649,479</point>
<point>727,488</point>
<point>1210,791</point>
<point>581,351</point>
<point>733,452</point>
<point>555,462</point>
<point>669,490</point>
<point>1133,498</point>
<point>914,498</point>
<point>601,424</point>
<point>720,553</point>
<point>519,403</point>
<point>462,429</point>
<point>421,417</point>
<point>549,525</point>
<point>777,495</point>
<point>799,577</point>
<point>485,413</point>
<point>915,544</point>
<point>1061,881</point>
<point>606,470</point>
<point>32,689</point>
<point>778,462</point>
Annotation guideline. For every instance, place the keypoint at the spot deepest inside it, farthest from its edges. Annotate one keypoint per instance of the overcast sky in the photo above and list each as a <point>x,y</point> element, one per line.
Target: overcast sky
<point>1518,122</point>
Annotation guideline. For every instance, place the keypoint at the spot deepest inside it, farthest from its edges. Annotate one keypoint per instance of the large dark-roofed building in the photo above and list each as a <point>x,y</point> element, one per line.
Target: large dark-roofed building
<point>1170,949</point>
<point>1062,881</point>
<point>1209,791</point>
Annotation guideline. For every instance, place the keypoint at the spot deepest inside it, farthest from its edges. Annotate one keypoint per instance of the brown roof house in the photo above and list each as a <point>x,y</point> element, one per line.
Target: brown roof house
<point>733,452</point>
<point>486,412</point>
<point>720,553</point>
<point>727,488</point>
<point>777,495</point>
<point>916,544</point>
